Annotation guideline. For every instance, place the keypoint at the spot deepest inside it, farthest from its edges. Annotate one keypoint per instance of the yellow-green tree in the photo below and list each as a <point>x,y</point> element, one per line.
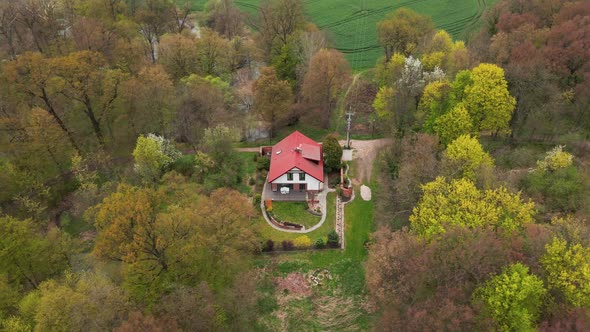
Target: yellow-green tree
<point>465,157</point>
<point>152,154</point>
<point>459,203</point>
<point>383,103</point>
<point>388,71</point>
<point>28,255</point>
<point>568,270</point>
<point>512,299</point>
<point>86,302</point>
<point>434,102</point>
<point>433,60</point>
<point>453,125</point>
<point>487,99</point>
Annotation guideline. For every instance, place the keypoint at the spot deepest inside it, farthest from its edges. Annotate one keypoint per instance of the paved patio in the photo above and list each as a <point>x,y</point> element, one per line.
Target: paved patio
<point>267,193</point>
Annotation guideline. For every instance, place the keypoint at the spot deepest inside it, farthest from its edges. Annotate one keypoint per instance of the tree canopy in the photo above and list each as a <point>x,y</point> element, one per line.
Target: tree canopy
<point>458,202</point>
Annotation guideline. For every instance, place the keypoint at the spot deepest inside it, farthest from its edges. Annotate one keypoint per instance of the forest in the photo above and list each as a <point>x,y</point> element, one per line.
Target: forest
<point>130,195</point>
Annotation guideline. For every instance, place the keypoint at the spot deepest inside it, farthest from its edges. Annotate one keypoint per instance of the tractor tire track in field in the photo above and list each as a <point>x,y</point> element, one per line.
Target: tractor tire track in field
<point>453,28</point>
<point>246,5</point>
<point>359,14</point>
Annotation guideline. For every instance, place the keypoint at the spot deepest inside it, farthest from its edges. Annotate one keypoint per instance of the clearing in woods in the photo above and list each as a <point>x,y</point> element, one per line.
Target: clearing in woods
<point>354,29</point>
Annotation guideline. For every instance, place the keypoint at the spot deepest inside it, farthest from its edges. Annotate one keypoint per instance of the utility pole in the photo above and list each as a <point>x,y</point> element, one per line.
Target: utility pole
<point>349,121</point>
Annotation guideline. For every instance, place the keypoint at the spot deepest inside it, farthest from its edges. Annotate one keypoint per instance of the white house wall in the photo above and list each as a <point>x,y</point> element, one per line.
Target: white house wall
<point>310,182</point>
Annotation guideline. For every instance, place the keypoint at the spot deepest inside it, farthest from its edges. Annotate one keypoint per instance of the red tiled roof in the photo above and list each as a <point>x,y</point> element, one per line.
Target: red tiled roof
<point>291,153</point>
<point>312,152</point>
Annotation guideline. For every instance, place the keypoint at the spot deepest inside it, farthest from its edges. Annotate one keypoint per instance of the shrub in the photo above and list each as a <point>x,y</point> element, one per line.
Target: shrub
<point>319,243</point>
<point>302,242</point>
<point>269,245</point>
<point>252,181</point>
<point>555,159</point>
<point>333,239</point>
<point>263,164</point>
<point>184,165</point>
<point>560,189</point>
<point>287,245</point>
<point>257,199</point>
<point>332,154</point>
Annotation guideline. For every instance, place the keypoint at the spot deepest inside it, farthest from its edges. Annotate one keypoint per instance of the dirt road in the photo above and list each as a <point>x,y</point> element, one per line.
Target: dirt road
<point>364,152</point>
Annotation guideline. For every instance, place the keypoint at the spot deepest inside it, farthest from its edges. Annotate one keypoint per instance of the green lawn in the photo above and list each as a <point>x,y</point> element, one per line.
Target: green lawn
<point>248,171</point>
<point>353,28</point>
<point>294,212</point>
<point>277,236</point>
<point>359,221</point>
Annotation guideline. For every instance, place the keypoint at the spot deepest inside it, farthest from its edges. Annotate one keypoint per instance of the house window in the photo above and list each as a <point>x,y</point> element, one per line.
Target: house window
<point>301,176</point>
<point>289,176</point>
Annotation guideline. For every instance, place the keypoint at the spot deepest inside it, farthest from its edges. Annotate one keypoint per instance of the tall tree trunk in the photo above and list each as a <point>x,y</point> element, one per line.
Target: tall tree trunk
<point>95,123</point>
<point>57,119</point>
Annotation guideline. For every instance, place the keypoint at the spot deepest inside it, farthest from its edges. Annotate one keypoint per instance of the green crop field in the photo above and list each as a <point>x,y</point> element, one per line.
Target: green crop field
<point>351,24</point>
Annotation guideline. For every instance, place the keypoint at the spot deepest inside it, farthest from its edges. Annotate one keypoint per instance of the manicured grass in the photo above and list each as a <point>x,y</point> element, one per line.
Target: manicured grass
<point>277,236</point>
<point>359,220</point>
<point>353,28</point>
<point>294,212</point>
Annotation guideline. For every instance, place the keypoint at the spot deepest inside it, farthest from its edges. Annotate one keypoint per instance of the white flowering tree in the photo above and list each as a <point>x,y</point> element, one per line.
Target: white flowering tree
<point>412,77</point>
<point>555,159</point>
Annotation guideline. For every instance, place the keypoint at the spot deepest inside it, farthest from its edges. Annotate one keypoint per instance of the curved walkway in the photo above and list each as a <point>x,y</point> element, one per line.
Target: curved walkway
<point>322,202</point>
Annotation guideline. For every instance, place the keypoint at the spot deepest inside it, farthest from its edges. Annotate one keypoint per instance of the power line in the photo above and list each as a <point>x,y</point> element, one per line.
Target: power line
<point>360,37</point>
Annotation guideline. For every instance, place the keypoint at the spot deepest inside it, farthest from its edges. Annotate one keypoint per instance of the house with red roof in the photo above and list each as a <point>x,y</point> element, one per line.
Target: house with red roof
<point>296,167</point>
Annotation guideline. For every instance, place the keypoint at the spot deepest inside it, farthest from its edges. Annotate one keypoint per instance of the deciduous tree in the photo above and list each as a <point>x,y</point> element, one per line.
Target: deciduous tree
<point>225,18</point>
<point>434,102</point>
<point>402,31</point>
<point>277,20</point>
<point>28,256</point>
<point>452,125</point>
<point>326,77</point>
<point>178,54</point>
<point>465,157</point>
<point>131,229</point>
<point>78,303</point>
<point>568,270</point>
<point>213,53</point>
<point>155,18</point>
<point>513,299</point>
<point>487,99</point>
<point>460,203</point>
<point>31,74</point>
<point>152,154</point>
<point>272,98</point>
<point>83,78</point>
